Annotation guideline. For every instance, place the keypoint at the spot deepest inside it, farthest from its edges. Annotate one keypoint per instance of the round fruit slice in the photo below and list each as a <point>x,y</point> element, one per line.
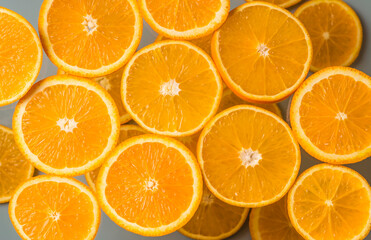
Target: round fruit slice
<point>90,39</point>
<point>112,83</point>
<point>204,42</point>
<point>272,222</point>
<point>51,207</point>
<point>20,56</point>
<point>171,88</point>
<point>214,219</point>
<point>262,52</point>
<point>184,19</point>
<point>126,132</point>
<point>248,165</point>
<point>150,185</point>
<point>330,115</point>
<point>66,125</point>
<point>335,31</point>
<point>330,202</point>
<point>281,3</point>
<point>14,168</point>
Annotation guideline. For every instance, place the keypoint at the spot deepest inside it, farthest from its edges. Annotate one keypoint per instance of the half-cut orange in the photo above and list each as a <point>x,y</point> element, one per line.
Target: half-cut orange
<point>281,3</point>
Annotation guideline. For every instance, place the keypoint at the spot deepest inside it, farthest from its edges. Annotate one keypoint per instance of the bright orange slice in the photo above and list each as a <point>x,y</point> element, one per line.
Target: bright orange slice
<point>50,207</point>
<point>262,52</point>
<point>335,30</point>
<point>204,42</point>
<point>66,125</point>
<point>272,222</point>
<point>184,19</point>
<point>20,56</point>
<point>14,168</point>
<point>126,132</point>
<point>248,156</point>
<point>150,185</point>
<point>112,83</point>
<point>330,115</point>
<point>171,88</point>
<point>90,38</point>
<point>281,3</point>
<point>330,202</point>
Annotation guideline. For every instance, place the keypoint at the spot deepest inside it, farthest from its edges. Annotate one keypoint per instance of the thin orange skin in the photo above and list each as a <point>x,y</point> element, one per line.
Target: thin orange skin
<point>308,147</point>
<point>285,5</point>
<point>229,82</point>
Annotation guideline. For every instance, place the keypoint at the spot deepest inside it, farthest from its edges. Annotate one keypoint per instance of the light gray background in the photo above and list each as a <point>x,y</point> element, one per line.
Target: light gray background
<point>109,230</point>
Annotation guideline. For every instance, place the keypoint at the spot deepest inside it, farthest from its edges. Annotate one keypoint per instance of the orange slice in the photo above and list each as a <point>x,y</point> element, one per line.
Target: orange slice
<point>171,88</point>
<point>281,3</point>
<point>51,207</point>
<point>150,185</point>
<point>112,83</point>
<point>20,56</point>
<point>262,52</point>
<point>272,222</point>
<point>184,19</point>
<point>90,39</point>
<point>248,165</point>
<point>126,132</point>
<point>330,202</point>
<point>66,125</point>
<point>330,115</point>
<point>335,30</point>
<point>204,42</point>
<point>14,168</point>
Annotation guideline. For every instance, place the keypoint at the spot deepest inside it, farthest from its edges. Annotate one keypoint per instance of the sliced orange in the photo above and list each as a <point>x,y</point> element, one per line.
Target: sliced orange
<point>262,52</point>
<point>150,185</point>
<point>330,202</point>
<point>20,56</point>
<point>248,156</point>
<point>335,30</point>
<point>126,132</point>
<point>51,207</point>
<point>66,125</point>
<point>171,88</point>
<point>184,19</point>
<point>330,115</point>
<point>90,38</point>
<point>272,222</point>
<point>112,83</point>
<point>281,3</point>
<point>14,168</point>
<point>204,42</point>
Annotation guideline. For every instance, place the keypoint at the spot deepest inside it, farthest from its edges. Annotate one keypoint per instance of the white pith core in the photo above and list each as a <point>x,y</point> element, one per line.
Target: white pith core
<point>170,88</point>
<point>90,24</point>
<point>250,158</point>
<point>67,125</point>
<point>55,216</point>
<point>328,203</point>
<point>151,185</point>
<point>326,35</point>
<point>104,82</point>
<point>341,116</point>
<point>263,50</point>
<point>208,198</point>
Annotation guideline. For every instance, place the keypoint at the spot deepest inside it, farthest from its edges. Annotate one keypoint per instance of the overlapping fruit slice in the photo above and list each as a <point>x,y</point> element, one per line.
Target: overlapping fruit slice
<point>281,3</point>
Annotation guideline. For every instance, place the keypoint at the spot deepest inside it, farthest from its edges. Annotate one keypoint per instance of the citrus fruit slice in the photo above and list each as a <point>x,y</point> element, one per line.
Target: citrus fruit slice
<point>20,56</point>
<point>14,168</point>
<point>171,88</point>
<point>126,132</point>
<point>272,222</point>
<point>184,19</point>
<point>330,202</point>
<point>281,3</point>
<point>214,219</point>
<point>229,99</point>
<point>150,185</point>
<point>330,115</point>
<point>90,39</point>
<point>66,125</point>
<point>240,161</point>
<point>51,207</point>
<point>204,42</point>
<point>112,83</point>
<point>335,31</point>
<point>262,51</point>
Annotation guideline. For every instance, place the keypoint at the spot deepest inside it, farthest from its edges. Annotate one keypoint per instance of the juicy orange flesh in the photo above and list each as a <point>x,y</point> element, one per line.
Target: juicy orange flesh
<point>97,44</point>
<point>262,50</point>
<point>323,108</point>
<point>177,64</point>
<point>204,42</point>
<point>39,203</point>
<point>183,15</point>
<point>350,208</point>
<point>18,56</point>
<point>154,204</point>
<point>331,18</point>
<point>60,148</point>
<point>14,168</point>
<point>245,129</point>
<point>213,217</point>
